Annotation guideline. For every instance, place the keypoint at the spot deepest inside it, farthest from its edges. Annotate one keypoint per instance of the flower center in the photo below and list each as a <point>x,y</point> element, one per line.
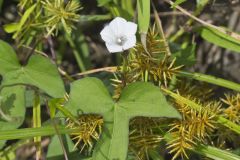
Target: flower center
<point>121,40</point>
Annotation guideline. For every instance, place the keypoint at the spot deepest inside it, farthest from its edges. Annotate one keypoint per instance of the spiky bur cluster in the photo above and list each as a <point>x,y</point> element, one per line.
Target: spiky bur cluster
<point>60,13</point>
<point>232,112</point>
<point>90,129</point>
<point>196,89</point>
<point>45,17</point>
<point>195,126</point>
<point>143,136</point>
<point>151,64</point>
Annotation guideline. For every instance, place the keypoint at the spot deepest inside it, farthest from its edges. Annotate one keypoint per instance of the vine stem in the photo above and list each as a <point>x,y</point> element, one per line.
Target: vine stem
<point>220,119</point>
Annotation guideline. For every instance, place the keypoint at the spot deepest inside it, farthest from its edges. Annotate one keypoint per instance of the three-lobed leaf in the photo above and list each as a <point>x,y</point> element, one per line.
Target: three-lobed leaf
<point>89,96</point>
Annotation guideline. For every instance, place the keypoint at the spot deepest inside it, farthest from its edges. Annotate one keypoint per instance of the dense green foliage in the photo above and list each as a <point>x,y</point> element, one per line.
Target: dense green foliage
<point>153,109</point>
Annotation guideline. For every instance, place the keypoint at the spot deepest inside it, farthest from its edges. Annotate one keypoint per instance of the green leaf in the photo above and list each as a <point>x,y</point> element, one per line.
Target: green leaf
<point>29,98</point>
<point>10,134</point>
<point>211,79</point>
<point>185,56</point>
<point>24,18</point>
<point>145,99</point>
<point>118,146</point>
<point>12,27</point>
<point>128,6</point>
<point>138,99</point>
<point>143,7</point>
<point>39,72</point>
<point>8,58</point>
<point>89,95</point>
<point>218,38</point>
<point>215,153</point>
<point>12,108</point>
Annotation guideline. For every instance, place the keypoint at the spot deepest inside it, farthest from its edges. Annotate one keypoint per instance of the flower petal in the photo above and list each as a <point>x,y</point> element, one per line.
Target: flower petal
<point>130,28</point>
<point>112,48</point>
<point>107,34</point>
<point>117,26</point>
<point>131,41</point>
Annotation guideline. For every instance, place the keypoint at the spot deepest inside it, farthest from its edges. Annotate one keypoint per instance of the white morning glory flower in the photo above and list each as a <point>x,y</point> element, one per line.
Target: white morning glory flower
<point>119,35</point>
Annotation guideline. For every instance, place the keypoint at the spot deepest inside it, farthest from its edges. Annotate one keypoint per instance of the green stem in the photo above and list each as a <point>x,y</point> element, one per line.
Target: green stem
<point>211,79</point>
<point>124,69</point>
<point>34,132</point>
<point>146,76</point>
<point>75,52</point>
<point>221,120</point>
<point>37,122</point>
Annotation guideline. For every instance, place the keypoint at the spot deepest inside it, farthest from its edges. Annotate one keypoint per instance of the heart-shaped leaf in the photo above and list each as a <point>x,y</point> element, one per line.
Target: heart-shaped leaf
<point>39,72</point>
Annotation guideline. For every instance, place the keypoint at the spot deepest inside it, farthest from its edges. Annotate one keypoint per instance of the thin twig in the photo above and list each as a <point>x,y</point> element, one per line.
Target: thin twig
<point>160,28</point>
<point>31,52</point>
<point>172,13</point>
<point>106,69</point>
<point>37,51</point>
<point>50,42</point>
<point>232,34</point>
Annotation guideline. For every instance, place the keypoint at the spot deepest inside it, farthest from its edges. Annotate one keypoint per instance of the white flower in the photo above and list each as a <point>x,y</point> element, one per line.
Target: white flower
<point>119,35</point>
